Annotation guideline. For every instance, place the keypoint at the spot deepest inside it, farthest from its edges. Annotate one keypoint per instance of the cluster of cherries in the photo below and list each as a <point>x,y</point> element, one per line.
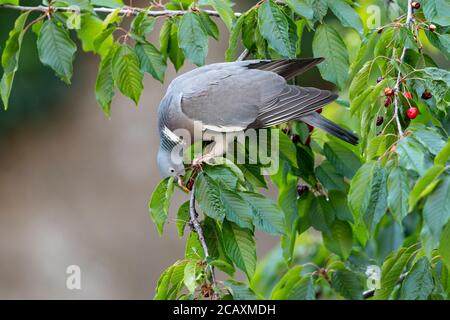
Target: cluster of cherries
<point>296,138</point>
<point>412,112</point>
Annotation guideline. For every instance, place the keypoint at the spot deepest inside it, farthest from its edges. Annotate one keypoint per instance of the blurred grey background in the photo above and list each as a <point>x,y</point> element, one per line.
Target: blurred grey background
<point>74,185</point>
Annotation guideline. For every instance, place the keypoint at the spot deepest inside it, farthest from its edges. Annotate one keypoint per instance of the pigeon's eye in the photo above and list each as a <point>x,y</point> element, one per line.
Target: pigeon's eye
<point>172,170</point>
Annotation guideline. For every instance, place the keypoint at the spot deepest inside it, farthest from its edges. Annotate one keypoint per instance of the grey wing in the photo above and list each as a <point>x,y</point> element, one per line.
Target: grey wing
<point>228,98</point>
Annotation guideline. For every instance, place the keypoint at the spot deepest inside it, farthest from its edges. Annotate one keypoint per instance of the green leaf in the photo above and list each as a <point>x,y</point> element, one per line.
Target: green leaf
<point>346,14</point>
<point>418,283</point>
<point>233,40</point>
<point>411,156</point>
<point>274,27</point>
<point>56,49</point>
<point>436,211</point>
<point>328,43</point>
<point>267,216</point>
<point>321,215</point>
<point>126,72</point>
<point>240,246</point>
<point>398,192</point>
<point>170,282</point>
<point>169,47</point>
<point>425,185</point>
<point>15,2</point>
<point>218,202</point>
<point>361,80</point>
<point>320,8</point>
<point>329,178</point>
<point>90,29</point>
<point>240,291</point>
<point>347,284</point>
<point>430,139</point>
<point>302,8</point>
<point>151,60</point>
<point>160,202</point>
<point>104,85</point>
<point>444,246</point>
<point>10,57</point>
<point>190,276</point>
<point>193,38</point>
<point>437,11</point>
<point>341,239</point>
<point>343,159</point>
<point>444,155</point>
<point>209,25</point>
<point>194,249</point>
<point>183,216</point>
<point>223,7</point>
<point>294,286</point>
<point>391,270</point>
<point>142,24</point>
<point>367,196</point>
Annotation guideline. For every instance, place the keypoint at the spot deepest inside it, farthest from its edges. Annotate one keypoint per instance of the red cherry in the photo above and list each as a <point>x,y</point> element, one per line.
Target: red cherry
<point>407,95</point>
<point>412,112</point>
<point>310,127</point>
<point>319,110</point>
<point>308,141</point>
<point>387,102</point>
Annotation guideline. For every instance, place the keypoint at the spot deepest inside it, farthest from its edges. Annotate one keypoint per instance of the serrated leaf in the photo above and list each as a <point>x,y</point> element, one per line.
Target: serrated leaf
<point>240,246</point>
<point>328,43</point>
<point>108,3</point>
<point>361,80</point>
<point>391,270</point>
<point>444,155</point>
<point>90,29</point>
<point>183,216</point>
<point>193,38</point>
<point>329,178</point>
<point>56,49</point>
<point>346,14</point>
<point>230,53</point>
<point>343,159</point>
<point>126,72</point>
<point>418,283</point>
<point>159,203</point>
<point>410,155</point>
<point>340,240</point>
<point>437,11</point>
<point>347,284</point>
<point>209,25</point>
<point>223,7</point>
<point>104,85</point>
<point>142,24</point>
<point>240,291</point>
<point>444,246</point>
<point>274,27</point>
<point>267,216</point>
<point>190,276</point>
<point>170,282</point>
<point>10,57</point>
<point>218,202</point>
<point>151,60</point>
<point>436,211</point>
<point>398,192</point>
<point>194,249</point>
<point>302,8</point>
<point>425,185</point>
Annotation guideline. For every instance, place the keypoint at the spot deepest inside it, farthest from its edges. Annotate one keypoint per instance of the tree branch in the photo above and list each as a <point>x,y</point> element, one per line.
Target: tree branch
<point>125,10</point>
<point>409,18</point>
<point>199,230</point>
<point>370,293</point>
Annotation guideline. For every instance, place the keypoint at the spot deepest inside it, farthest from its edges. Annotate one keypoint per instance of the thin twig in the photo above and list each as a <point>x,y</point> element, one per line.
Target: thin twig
<point>370,293</point>
<point>199,230</point>
<point>243,55</point>
<point>125,10</point>
<point>409,18</point>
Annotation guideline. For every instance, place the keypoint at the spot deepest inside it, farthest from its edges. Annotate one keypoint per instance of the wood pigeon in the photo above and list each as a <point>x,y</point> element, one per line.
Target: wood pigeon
<point>235,96</point>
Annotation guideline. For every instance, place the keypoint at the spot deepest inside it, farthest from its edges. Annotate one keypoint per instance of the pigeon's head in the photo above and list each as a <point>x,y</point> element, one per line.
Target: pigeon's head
<point>169,164</point>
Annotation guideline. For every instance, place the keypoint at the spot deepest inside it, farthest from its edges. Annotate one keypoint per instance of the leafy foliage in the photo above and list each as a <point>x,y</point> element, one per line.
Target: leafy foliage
<point>385,202</point>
